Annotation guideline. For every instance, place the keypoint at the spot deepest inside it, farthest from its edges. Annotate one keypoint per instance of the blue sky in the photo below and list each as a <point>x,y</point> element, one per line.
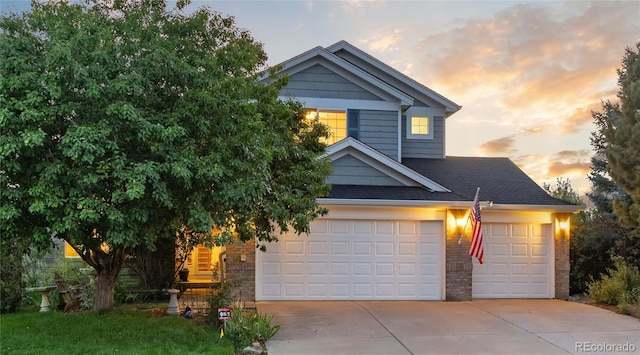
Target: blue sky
<point>527,73</point>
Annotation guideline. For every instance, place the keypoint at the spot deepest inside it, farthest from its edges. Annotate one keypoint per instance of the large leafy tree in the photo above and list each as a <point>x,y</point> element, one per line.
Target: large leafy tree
<point>622,135</point>
<point>123,122</point>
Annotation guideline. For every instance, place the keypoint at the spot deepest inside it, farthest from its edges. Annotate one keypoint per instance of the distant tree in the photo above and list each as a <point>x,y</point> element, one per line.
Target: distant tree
<point>123,122</point>
<point>563,191</point>
<point>622,134</point>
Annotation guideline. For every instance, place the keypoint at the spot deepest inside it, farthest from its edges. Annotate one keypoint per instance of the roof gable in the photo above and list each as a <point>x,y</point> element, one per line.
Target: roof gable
<point>381,162</point>
<point>375,67</point>
<point>319,55</point>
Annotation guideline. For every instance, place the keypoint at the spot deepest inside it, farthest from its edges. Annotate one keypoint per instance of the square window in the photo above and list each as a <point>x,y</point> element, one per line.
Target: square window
<point>419,127</point>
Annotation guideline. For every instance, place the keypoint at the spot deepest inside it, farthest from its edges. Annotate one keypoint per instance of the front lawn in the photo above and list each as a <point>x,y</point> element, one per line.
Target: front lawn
<point>124,330</point>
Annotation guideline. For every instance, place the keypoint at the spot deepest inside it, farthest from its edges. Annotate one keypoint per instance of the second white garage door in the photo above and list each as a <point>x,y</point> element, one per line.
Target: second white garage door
<point>517,262</point>
<point>354,260</point>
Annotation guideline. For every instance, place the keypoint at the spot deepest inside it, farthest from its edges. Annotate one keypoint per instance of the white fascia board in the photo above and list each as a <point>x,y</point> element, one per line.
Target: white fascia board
<point>396,203</point>
<point>486,206</point>
<point>344,104</point>
<point>350,142</point>
<point>297,63</point>
<point>451,107</point>
<point>550,208</point>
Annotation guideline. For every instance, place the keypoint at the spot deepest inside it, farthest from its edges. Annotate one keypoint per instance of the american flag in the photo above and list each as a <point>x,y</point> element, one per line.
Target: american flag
<point>476,224</point>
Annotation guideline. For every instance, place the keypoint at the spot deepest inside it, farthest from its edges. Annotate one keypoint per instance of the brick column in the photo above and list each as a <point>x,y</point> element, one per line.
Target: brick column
<point>562,253</point>
<point>241,269</point>
<point>458,261</point>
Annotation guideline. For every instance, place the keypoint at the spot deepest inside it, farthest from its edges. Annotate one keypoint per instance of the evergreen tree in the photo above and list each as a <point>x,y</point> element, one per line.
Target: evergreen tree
<point>622,134</point>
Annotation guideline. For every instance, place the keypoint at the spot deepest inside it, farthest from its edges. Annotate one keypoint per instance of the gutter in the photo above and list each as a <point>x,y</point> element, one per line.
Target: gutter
<point>486,205</point>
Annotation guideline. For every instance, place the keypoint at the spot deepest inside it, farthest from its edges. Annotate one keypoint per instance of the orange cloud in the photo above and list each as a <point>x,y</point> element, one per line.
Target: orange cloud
<point>499,147</point>
<point>558,168</point>
<point>539,55</point>
<point>384,41</point>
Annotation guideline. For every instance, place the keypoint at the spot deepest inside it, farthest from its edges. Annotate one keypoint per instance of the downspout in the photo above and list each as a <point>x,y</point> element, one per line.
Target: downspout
<point>400,132</point>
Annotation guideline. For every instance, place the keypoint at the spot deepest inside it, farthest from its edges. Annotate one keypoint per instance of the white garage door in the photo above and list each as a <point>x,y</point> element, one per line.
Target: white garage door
<point>516,262</point>
<point>354,260</point>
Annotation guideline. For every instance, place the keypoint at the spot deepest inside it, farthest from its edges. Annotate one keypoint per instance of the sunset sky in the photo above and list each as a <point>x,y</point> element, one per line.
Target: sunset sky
<point>527,73</point>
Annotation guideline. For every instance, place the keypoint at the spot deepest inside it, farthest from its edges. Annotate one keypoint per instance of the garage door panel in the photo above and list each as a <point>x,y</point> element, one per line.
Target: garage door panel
<point>294,268</point>
<point>271,268</point>
<point>407,249</point>
<point>384,269</point>
<point>317,268</point>
<point>385,248</point>
<point>318,248</point>
<point>339,248</point>
<point>363,227</point>
<point>294,247</point>
<point>340,269</point>
<point>362,248</point>
<point>520,231</point>
<point>385,228</point>
<point>539,269</point>
<point>272,289</point>
<point>317,289</point>
<point>292,289</point>
<point>362,269</point>
<point>497,230</point>
<point>340,227</point>
<point>339,289</point>
<point>498,249</point>
<point>361,290</point>
<point>408,290</point>
<point>539,250</point>
<point>520,269</point>
<point>407,269</point>
<point>406,228</point>
<point>354,259</point>
<point>384,290</point>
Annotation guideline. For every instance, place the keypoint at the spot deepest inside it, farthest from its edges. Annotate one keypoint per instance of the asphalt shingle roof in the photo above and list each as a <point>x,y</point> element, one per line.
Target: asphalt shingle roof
<point>499,179</point>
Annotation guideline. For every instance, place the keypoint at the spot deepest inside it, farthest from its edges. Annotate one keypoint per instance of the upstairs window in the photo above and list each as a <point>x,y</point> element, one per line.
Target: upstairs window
<point>341,123</point>
<point>419,127</point>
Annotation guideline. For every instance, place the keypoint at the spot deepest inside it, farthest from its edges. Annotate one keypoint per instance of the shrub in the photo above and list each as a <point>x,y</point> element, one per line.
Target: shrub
<point>621,285</point>
<point>11,284</point>
<point>245,328</point>
<point>222,299</point>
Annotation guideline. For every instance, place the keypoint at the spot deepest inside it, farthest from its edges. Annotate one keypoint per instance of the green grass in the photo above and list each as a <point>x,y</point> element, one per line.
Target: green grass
<point>124,331</point>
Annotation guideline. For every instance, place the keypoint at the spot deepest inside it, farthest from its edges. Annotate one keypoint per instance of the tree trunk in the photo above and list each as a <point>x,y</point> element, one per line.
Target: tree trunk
<point>105,288</point>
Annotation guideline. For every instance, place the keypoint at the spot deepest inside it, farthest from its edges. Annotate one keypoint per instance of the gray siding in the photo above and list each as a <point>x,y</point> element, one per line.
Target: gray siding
<point>424,148</point>
<point>348,170</point>
<point>318,81</point>
<point>379,130</point>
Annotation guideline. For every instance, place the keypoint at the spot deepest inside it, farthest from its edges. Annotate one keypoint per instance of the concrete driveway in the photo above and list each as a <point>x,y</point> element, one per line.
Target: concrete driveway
<point>477,327</point>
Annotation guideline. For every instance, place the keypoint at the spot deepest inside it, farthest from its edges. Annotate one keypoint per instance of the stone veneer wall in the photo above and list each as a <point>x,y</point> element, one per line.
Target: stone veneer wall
<point>242,272</point>
<point>458,261</point>
<point>562,254</point>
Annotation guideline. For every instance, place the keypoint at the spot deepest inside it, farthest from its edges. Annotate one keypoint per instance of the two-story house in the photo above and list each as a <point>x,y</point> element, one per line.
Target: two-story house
<point>397,227</point>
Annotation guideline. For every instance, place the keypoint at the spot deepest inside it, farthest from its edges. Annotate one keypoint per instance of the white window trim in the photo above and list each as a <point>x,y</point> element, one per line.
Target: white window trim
<point>419,136</point>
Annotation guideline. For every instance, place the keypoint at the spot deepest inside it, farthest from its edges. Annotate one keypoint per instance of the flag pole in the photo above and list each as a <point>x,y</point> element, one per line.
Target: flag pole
<point>469,215</point>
